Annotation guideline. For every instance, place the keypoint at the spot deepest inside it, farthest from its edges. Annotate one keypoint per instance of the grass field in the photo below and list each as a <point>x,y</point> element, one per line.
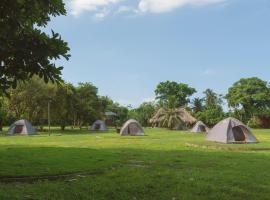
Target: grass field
<point>164,164</point>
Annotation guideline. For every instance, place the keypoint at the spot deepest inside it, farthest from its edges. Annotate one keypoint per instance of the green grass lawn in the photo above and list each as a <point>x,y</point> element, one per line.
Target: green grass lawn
<point>169,165</point>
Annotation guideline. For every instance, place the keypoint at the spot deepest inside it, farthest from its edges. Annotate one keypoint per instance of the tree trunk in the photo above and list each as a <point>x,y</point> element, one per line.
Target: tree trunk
<point>1,124</point>
<point>63,127</point>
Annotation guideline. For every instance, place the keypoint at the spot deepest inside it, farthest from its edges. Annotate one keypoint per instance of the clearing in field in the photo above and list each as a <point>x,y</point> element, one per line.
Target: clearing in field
<point>160,165</point>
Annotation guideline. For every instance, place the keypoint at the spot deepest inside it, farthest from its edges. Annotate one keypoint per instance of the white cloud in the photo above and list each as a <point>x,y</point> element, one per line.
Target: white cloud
<point>208,72</point>
<point>79,6</point>
<point>125,9</point>
<point>101,14</point>
<point>134,103</point>
<point>102,8</point>
<point>159,6</point>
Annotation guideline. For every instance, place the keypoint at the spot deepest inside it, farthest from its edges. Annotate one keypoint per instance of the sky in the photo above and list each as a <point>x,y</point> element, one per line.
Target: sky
<point>126,47</point>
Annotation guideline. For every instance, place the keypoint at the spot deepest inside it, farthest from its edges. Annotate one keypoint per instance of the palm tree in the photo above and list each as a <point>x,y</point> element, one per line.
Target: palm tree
<point>212,98</point>
<point>197,105</point>
<point>171,118</point>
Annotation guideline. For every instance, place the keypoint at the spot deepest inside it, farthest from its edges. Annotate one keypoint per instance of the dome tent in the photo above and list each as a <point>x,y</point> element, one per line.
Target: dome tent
<point>99,125</point>
<point>21,127</point>
<point>199,127</point>
<point>132,127</point>
<point>231,130</point>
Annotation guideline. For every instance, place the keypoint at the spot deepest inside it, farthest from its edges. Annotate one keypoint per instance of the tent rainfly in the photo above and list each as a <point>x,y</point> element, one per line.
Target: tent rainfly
<point>199,127</point>
<point>132,127</point>
<point>231,130</point>
<point>99,125</point>
<point>21,127</point>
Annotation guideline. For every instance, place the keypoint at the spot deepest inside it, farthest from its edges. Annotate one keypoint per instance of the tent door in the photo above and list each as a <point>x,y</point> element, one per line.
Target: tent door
<point>239,135</point>
<point>132,129</point>
<point>18,129</point>
<point>202,128</point>
<point>97,127</point>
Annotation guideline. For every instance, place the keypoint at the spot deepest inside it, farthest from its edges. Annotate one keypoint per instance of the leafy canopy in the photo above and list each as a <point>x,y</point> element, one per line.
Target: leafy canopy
<point>25,50</point>
<point>173,94</point>
<point>252,95</point>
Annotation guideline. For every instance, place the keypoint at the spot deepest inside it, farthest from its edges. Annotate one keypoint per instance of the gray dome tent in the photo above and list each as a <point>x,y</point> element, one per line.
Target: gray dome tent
<point>99,125</point>
<point>231,130</point>
<point>132,127</point>
<point>199,127</point>
<point>21,127</point>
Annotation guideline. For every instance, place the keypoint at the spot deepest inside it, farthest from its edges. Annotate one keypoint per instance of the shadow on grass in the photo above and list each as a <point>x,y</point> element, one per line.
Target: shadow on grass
<point>126,173</point>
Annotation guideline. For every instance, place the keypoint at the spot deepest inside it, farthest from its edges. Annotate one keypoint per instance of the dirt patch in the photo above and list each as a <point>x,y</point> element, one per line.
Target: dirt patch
<point>228,148</point>
<point>70,177</point>
<point>137,164</point>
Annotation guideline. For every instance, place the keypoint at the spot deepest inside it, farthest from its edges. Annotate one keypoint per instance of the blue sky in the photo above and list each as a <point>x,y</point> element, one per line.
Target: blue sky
<point>127,47</point>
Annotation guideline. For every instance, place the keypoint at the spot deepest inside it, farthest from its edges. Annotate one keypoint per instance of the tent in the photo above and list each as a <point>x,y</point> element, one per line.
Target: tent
<point>231,130</point>
<point>21,127</point>
<point>199,127</point>
<point>132,127</point>
<point>99,125</point>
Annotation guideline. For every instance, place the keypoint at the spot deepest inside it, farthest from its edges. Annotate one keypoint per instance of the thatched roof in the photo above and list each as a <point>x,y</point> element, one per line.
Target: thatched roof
<point>182,113</point>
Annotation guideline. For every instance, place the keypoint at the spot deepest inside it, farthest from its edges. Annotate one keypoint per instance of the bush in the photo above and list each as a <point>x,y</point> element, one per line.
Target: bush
<point>254,122</point>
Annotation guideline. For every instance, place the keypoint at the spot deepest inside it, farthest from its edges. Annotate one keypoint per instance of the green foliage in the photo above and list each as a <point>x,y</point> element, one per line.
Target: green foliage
<point>30,99</point>
<point>143,113</point>
<point>121,113</point>
<point>63,104</point>
<point>254,122</point>
<point>172,94</point>
<point>209,109</point>
<point>68,104</point>
<point>211,115</point>
<point>197,105</point>
<point>26,50</point>
<point>86,104</point>
<point>252,95</point>
<point>211,98</point>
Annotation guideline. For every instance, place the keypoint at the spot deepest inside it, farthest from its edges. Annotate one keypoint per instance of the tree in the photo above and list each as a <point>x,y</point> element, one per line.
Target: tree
<point>212,98</point>
<point>121,113</point>
<point>3,111</point>
<point>172,94</point>
<point>104,103</point>
<point>63,104</point>
<point>211,115</point>
<point>86,104</point>
<point>143,113</point>
<point>252,95</point>
<point>197,105</point>
<point>30,99</point>
<point>172,118</point>
<point>25,50</point>
<point>212,111</point>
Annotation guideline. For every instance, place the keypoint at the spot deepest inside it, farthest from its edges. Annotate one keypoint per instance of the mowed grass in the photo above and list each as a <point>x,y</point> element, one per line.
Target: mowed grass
<point>169,165</point>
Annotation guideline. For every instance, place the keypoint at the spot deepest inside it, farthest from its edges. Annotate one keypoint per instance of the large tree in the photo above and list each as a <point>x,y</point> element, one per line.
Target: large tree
<point>86,104</point>
<point>211,104</point>
<point>197,105</point>
<point>172,94</point>
<point>30,99</point>
<point>25,50</point>
<point>252,95</point>
<point>63,105</point>
<point>143,113</point>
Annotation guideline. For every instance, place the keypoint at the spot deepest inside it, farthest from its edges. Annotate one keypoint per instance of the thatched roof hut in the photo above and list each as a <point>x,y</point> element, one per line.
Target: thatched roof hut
<point>181,113</point>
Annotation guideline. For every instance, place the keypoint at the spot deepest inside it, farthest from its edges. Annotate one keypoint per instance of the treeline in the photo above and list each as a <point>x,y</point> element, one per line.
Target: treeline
<point>248,100</point>
<point>77,106</point>
<point>71,105</point>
